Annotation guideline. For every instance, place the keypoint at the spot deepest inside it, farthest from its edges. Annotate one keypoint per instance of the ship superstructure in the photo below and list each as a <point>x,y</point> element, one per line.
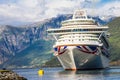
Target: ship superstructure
<point>81,43</point>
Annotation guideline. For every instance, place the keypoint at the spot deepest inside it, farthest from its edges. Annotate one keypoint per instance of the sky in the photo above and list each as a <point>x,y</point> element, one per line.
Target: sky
<point>20,12</point>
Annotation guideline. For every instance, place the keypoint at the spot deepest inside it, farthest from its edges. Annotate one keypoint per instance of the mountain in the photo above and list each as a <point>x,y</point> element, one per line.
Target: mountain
<point>114,29</point>
<point>17,43</point>
<point>33,56</point>
<point>30,45</point>
<point>103,20</point>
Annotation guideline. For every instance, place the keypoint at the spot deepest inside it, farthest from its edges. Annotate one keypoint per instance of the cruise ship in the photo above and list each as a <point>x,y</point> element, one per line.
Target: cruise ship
<point>81,43</point>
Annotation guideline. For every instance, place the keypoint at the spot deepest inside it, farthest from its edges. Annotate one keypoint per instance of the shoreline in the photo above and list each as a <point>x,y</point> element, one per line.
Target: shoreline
<point>10,75</point>
<point>115,63</point>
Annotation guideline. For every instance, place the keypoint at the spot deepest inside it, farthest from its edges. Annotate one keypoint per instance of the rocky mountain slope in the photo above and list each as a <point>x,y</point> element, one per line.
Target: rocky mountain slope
<point>31,41</point>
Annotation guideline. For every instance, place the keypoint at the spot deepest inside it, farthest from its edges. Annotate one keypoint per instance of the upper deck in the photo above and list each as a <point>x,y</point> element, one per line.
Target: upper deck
<point>78,30</point>
<point>79,23</point>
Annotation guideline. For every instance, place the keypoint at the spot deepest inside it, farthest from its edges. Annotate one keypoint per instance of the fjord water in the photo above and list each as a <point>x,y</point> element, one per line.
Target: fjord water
<point>112,73</point>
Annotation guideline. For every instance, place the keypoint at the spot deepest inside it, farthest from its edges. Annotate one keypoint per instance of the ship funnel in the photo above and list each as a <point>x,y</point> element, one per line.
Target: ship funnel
<point>79,14</point>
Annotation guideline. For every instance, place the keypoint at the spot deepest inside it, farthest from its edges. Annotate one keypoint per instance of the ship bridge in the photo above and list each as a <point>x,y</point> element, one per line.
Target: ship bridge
<point>79,14</point>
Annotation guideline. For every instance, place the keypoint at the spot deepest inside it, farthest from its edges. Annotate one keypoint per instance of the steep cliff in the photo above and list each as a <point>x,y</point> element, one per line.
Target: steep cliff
<point>17,42</point>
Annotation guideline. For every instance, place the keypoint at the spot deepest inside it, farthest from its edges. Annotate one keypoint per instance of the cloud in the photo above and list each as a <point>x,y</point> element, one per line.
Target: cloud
<point>25,11</point>
<point>28,3</point>
<point>112,8</point>
<point>33,10</point>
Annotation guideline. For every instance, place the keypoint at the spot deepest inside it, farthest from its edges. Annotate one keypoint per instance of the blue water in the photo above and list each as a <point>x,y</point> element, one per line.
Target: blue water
<point>112,73</point>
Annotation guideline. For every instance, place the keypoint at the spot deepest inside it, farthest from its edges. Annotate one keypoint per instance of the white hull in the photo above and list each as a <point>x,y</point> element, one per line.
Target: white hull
<point>73,59</point>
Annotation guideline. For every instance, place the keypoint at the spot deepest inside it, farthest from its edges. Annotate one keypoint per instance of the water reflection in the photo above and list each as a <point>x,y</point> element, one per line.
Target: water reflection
<point>105,74</point>
<point>82,75</point>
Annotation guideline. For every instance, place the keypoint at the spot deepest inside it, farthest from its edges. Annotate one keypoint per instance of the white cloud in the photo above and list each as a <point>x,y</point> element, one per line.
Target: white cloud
<point>111,9</point>
<point>37,10</point>
<point>28,3</point>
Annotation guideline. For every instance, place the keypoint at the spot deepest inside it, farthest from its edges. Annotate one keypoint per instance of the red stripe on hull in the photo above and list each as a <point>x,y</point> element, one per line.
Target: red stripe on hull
<point>56,54</point>
<point>89,52</point>
<point>85,48</point>
<point>59,49</point>
<point>61,52</point>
